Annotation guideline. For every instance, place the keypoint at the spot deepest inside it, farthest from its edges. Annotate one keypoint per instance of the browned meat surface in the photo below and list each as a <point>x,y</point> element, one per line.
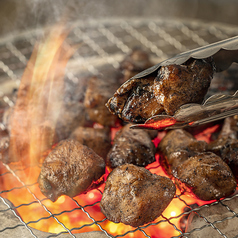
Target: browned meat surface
<point>177,146</point>
<point>226,145</point>
<point>70,169</point>
<point>97,94</point>
<point>135,62</point>
<point>176,85</point>
<point>98,139</point>
<point>138,99</point>
<point>135,196</point>
<point>135,101</point>
<point>207,176</point>
<point>131,146</point>
<point>203,173</point>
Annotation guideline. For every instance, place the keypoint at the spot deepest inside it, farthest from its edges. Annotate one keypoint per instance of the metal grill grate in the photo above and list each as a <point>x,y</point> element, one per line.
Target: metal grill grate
<point>103,42</point>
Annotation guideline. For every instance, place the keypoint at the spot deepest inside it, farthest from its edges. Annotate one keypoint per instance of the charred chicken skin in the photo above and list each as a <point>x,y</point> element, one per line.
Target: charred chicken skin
<point>70,169</point>
<point>226,145</point>
<point>138,99</point>
<point>195,170</point>
<point>131,147</point>
<point>98,139</point>
<point>135,196</point>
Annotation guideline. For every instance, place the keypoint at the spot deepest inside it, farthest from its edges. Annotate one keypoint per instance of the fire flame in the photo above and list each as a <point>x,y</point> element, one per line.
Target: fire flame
<point>33,131</point>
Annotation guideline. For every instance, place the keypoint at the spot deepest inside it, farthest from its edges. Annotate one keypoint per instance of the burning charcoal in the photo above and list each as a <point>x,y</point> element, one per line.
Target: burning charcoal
<point>97,94</point>
<point>70,169</point>
<point>204,174</point>
<point>98,139</point>
<point>217,212</point>
<point>135,101</point>
<point>137,61</point>
<point>184,219</point>
<point>135,196</point>
<point>176,85</point>
<point>131,147</point>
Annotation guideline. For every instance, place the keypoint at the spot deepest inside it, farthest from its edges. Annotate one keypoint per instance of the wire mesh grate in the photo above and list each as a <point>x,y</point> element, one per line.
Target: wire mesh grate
<point>102,42</point>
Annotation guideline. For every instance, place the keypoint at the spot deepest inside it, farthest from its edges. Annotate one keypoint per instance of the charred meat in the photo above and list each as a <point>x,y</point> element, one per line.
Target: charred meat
<point>135,196</point>
<point>131,147</point>
<point>70,169</point>
<point>98,139</point>
<point>135,101</point>
<point>226,145</point>
<point>203,173</point>
<point>176,147</point>
<point>135,62</point>
<point>98,92</point>
<point>176,85</point>
<point>207,176</point>
<point>138,99</point>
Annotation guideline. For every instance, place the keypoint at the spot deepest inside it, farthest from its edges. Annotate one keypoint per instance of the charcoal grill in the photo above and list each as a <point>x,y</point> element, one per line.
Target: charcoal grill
<point>102,42</point>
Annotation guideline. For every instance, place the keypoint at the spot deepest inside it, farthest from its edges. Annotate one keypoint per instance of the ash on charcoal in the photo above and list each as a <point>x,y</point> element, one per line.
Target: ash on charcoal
<point>218,215</point>
<point>8,220</point>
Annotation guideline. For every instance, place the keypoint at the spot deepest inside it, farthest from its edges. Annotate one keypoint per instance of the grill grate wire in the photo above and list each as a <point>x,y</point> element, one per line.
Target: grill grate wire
<point>105,42</point>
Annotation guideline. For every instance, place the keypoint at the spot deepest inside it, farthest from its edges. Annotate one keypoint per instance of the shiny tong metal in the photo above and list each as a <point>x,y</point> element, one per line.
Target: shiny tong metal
<point>216,107</point>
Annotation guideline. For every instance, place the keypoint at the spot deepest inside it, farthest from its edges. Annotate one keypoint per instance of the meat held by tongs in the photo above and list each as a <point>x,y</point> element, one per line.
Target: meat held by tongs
<point>171,93</point>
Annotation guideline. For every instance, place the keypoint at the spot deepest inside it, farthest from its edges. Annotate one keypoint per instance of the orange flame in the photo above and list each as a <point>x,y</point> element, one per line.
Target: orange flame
<point>39,99</point>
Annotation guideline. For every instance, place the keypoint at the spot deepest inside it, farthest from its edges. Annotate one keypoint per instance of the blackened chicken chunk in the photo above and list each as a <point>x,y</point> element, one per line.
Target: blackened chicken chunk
<point>70,169</point>
<point>195,170</point>
<point>176,147</point>
<point>135,62</point>
<point>131,147</point>
<point>97,94</point>
<point>176,85</point>
<point>207,176</point>
<point>135,196</point>
<point>98,139</point>
<point>134,101</point>
<point>226,145</point>
<point>139,99</point>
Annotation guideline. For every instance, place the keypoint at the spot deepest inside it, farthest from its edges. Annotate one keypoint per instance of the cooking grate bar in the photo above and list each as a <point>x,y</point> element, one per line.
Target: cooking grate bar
<point>23,223</point>
<point>34,196</point>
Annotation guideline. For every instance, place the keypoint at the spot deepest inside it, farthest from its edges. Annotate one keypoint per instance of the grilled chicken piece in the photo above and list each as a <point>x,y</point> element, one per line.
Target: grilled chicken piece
<point>98,92</point>
<point>135,62</point>
<point>203,173</point>
<point>138,99</point>
<point>176,85</point>
<point>98,139</point>
<point>176,147</point>
<point>131,147</point>
<point>226,145</point>
<point>135,196</point>
<point>70,169</point>
<point>207,176</point>
<point>135,101</point>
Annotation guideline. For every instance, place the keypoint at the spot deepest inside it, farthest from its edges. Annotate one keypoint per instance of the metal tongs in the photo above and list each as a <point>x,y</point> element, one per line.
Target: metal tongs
<point>216,107</point>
